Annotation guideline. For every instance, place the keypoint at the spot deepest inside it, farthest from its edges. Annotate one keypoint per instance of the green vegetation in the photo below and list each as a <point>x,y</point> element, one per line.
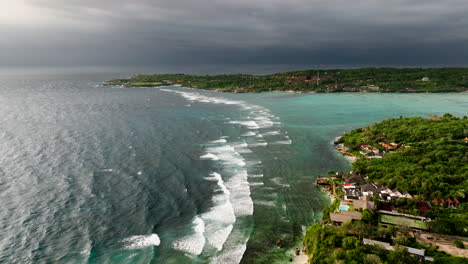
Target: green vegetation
<point>337,244</point>
<point>427,158</point>
<point>337,80</point>
<point>431,160</point>
<point>458,244</point>
<point>343,244</point>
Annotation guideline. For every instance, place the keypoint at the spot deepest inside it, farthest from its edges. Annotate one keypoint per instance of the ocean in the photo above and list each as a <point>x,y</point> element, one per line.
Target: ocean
<point>99,174</point>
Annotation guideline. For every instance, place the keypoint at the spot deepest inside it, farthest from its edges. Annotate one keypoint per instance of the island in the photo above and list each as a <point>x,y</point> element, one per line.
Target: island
<point>380,80</point>
<point>405,199</point>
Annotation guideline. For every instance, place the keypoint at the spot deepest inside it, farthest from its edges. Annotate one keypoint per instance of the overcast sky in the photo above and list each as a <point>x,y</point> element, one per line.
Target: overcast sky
<point>238,32</point>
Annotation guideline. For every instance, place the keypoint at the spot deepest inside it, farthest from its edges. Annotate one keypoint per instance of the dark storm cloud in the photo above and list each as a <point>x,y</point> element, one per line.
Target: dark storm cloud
<point>105,32</point>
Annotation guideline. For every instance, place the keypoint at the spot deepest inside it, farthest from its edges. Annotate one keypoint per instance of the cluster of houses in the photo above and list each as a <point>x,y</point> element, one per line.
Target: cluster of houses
<point>372,152</point>
<point>371,88</point>
<point>356,188</point>
<point>356,195</point>
<point>303,79</point>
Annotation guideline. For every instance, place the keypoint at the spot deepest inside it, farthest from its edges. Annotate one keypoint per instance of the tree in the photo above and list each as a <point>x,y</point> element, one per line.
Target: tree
<point>350,242</point>
<point>372,259</point>
<point>458,244</point>
<point>367,216</point>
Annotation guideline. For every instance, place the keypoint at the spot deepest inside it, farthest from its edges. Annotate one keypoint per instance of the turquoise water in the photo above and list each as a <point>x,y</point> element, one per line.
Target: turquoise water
<point>344,208</point>
<point>92,174</point>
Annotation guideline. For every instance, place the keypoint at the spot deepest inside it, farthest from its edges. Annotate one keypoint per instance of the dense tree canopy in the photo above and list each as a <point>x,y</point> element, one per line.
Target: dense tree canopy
<point>431,160</point>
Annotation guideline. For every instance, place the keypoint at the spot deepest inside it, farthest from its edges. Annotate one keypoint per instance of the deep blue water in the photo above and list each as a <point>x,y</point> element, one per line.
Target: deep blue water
<point>93,174</point>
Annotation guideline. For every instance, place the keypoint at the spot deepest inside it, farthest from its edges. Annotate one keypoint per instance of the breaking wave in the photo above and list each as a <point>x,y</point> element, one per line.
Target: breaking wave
<point>137,242</point>
<point>217,231</point>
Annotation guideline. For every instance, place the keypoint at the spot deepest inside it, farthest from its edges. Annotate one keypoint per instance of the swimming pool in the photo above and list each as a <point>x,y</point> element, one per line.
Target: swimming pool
<point>344,208</point>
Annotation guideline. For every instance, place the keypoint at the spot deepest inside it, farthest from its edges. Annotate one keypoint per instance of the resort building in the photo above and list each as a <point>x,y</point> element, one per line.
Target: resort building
<point>369,189</point>
<point>355,179</point>
<point>385,145</point>
<point>364,205</point>
<point>345,216</point>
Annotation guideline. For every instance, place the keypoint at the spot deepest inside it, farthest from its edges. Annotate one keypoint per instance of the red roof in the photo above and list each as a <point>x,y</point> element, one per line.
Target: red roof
<point>383,144</point>
<point>442,201</point>
<point>423,207</point>
<point>347,184</point>
<point>456,202</point>
<point>435,200</point>
<point>449,201</point>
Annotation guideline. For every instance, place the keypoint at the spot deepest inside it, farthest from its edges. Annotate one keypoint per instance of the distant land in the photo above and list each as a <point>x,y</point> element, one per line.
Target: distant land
<point>379,80</point>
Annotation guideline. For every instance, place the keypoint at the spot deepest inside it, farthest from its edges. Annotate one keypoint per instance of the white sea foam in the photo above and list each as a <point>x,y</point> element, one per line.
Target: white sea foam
<point>240,194</point>
<point>249,124</point>
<point>233,255</point>
<point>192,244</point>
<point>241,145</point>
<point>259,144</point>
<point>282,142</point>
<point>227,155</point>
<point>249,134</point>
<point>272,133</point>
<point>266,203</point>
<point>233,198</point>
<point>219,237</point>
<point>220,218</point>
<point>222,140</point>
<point>254,163</point>
<point>136,242</point>
<point>264,121</point>
<point>209,156</point>
<point>87,250</point>
<point>279,181</point>
<point>244,150</point>
<point>196,97</point>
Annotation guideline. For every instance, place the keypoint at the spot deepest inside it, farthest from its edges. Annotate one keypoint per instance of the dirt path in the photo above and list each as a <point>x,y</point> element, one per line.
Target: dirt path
<point>444,242</point>
<point>301,259</point>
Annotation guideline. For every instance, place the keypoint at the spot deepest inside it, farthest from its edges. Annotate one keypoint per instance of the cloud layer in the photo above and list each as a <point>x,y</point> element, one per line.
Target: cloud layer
<point>144,32</point>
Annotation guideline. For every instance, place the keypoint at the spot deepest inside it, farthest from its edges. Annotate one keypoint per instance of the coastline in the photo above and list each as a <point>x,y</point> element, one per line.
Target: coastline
<point>366,80</point>
<point>223,90</point>
<point>303,258</point>
<point>344,151</point>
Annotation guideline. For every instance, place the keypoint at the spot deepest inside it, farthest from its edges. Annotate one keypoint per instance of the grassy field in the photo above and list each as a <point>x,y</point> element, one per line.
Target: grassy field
<point>403,221</point>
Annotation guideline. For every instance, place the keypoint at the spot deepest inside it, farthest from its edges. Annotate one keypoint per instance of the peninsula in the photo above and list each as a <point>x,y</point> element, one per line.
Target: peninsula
<point>382,80</point>
<point>404,201</point>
